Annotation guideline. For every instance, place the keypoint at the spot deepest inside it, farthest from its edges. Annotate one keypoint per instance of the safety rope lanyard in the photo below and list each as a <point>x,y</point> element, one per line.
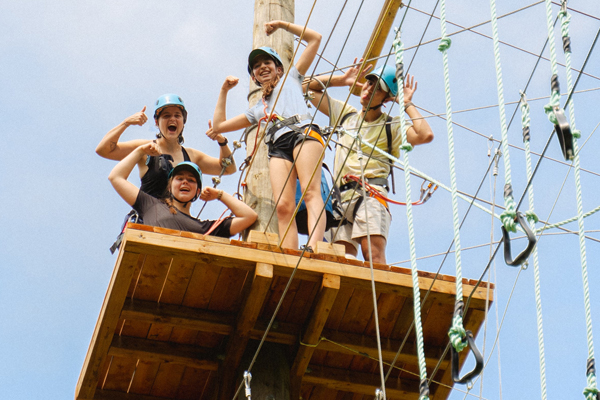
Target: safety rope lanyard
<point>591,391</point>
<point>424,387</point>
<point>525,123</point>
<point>509,214</point>
<point>457,331</point>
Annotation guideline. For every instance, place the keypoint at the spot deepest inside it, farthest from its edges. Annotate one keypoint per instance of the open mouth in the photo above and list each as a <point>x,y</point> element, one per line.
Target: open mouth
<point>172,128</point>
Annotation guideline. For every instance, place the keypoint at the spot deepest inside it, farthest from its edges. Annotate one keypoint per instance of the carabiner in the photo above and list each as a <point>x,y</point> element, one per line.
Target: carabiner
<point>478,361</point>
<point>520,259</point>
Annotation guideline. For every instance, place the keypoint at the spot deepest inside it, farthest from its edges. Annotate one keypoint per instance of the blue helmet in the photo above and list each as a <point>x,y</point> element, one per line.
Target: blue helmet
<point>387,79</point>
<point>188,166</point>
<point>167,100</point>
<point>266,50</point>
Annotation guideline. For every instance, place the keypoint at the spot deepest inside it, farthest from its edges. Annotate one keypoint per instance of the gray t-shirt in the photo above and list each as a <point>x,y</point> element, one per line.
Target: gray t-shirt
<point>156,213</point>
<point>290,102</point>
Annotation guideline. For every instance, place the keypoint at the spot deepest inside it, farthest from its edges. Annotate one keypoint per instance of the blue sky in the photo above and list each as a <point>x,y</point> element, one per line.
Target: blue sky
<point>71,70</point>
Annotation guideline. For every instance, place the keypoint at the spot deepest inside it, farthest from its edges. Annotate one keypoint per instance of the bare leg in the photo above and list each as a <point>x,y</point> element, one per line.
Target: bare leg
<point>350,249</point>
<point>278,171</point>
<point>306,159</point>
<point>378,243</point>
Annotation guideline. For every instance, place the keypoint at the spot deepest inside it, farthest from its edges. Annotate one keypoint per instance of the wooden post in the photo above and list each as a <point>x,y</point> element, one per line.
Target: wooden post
<point>258,193</point>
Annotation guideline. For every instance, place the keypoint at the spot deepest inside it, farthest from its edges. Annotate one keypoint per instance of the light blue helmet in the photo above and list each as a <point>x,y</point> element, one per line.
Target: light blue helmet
<point>266,50</point>
<point>188,166</point>
<point>167,100</point>
<point>387,79</point>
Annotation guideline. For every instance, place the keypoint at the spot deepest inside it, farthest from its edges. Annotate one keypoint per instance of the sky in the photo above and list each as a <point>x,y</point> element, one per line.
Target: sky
<point>72,70</point>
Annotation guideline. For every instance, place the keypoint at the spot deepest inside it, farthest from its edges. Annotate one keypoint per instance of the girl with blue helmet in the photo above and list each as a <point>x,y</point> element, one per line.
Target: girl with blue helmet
<point>183,187</point>
<point>170,116</point>
<point>295,146</point>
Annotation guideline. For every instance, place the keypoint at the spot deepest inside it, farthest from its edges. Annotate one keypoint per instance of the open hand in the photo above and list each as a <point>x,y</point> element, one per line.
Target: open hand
<point>352,74</point>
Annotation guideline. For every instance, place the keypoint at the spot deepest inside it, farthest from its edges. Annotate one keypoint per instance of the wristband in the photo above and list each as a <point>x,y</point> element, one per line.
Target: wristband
<point>410,103</point>
<point>224,143</point>
<point>220,195</point>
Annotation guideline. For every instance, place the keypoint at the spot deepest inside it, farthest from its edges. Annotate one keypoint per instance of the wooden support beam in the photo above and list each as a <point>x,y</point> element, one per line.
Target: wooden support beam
<point>178,316</point>
<point>236,345</point>
<point>286,333</point>
<point>360,382</point>
<point>114,395</point>
<point>380,34</point>
<point>163,352</point>
<point>107,323</point>
<point>330,287</point>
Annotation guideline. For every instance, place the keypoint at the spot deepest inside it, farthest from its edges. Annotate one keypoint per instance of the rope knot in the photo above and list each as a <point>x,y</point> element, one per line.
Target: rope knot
<point>406,147</point>
<point>576,134</point>
<point>532,217</point>
<point>509,215</point>
<point>445,44</point>
<point>457,333</point>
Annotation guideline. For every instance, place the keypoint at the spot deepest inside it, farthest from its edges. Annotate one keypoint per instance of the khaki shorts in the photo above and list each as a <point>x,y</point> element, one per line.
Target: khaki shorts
<point>379,221</point>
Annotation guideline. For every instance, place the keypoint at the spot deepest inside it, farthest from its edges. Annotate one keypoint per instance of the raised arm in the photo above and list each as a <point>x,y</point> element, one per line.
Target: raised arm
<point>220,122</point>
<point>109,147</point>
<point>317,84</point>
<point>311,37</point>
<point>244,215</point>
<point>118,176</point>
<point>420,132</point>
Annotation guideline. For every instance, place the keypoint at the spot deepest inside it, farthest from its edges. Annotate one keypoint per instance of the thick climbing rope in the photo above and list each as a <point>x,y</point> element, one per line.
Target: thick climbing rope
<point>457,332</point>
<point>509,214</point>
<point>591,390</point>
<point>555,93</point>
<point>424,387</point>
<point>525,122</point>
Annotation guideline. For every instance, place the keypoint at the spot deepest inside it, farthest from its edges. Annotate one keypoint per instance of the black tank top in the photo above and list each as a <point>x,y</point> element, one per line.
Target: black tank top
<point>154,181</point>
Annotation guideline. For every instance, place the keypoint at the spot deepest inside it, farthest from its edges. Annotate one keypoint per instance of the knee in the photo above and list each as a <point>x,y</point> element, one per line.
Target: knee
<point>313,195</point>
<point>285,208</point>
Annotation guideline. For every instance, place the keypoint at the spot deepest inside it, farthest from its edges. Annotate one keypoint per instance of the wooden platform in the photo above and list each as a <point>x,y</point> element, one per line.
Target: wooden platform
<point>181,309</point>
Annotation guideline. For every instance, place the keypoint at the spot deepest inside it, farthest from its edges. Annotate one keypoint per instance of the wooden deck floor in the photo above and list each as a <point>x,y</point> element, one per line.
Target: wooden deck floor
<point>181,309</point>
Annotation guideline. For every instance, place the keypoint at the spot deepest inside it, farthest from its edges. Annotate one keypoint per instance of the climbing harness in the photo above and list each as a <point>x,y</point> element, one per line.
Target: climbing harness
<point>132,217</point>
<point>354,181</point>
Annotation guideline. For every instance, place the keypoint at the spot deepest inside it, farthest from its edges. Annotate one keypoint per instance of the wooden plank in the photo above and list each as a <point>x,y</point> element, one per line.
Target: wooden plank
<point>309,269</point>
<point>107,322</point>
<point>183,317</point>
<point>269,238</point>
<point>247,316</point>
<point>192,384</point>
<point>114,395</point>
<point>330,248</point>
<point>145,373</point>
<point>151,350</point>
<point>120,373</point>
<point>380,34</point>
<point>325,299</point>
<point>167,380</point>
<point>358,382</point>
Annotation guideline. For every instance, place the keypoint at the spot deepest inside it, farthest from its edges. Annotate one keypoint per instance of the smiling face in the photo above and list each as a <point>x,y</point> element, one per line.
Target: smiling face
<point>264,69</point>
<point>170,122</point>
<point>184,186</point>
<point>367,91</point>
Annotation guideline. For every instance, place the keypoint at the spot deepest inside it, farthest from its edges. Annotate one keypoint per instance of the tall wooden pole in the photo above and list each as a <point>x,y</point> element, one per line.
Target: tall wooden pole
<point>258,192</point>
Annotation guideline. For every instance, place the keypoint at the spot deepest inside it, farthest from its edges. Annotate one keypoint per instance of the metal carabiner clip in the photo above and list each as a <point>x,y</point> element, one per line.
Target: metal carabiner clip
<point>521,258</point>
<point>478,361</point>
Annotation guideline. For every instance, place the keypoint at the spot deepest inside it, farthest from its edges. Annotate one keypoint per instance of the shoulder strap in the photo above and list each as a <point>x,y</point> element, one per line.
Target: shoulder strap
<point>346,116</point>
<point>186,157</point>
<point>388,133</point>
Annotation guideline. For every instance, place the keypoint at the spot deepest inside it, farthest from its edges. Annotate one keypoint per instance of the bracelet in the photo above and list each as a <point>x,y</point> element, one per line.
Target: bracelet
<point>224,143</point>
<point>220,195</point>
<point>410,103</point>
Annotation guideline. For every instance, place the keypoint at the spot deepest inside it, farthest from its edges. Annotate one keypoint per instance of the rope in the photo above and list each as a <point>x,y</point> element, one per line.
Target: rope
<point>591,391</point>
<point>525,121</point>
<point>555,95</point>
<point>509,214</point>
<point>424,389</point>
<point>457,330</point>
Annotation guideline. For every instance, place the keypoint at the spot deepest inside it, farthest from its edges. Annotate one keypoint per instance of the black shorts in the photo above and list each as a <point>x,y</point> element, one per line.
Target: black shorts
<point>285,145</point>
